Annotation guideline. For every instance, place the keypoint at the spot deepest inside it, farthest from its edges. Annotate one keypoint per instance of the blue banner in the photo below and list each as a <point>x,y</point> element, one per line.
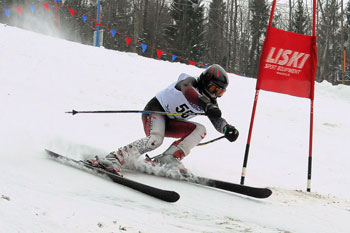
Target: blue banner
<point>144,47</point>
<point>113,32</point>
<point>7,12</point>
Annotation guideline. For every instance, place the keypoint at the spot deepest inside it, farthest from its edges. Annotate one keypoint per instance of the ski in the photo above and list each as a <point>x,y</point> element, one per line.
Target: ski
<point>250,191</point>
<point>231,187</point>
<point>165,195</point>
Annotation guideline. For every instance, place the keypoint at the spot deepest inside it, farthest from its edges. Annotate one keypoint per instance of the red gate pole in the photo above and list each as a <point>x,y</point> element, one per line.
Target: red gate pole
<point>246,154</point>
<point>309,170</point>
<point>272,12</point>
<point>310,146</point>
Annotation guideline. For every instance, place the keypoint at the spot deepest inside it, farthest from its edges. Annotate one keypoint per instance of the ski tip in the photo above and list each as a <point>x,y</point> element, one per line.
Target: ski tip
<point>264,194</point>
<point>171,196</point>
<point>51,153</point>
<point>268,192</point>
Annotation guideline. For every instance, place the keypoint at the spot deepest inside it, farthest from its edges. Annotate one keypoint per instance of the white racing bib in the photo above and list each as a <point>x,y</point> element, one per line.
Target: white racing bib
<point>173,101</point>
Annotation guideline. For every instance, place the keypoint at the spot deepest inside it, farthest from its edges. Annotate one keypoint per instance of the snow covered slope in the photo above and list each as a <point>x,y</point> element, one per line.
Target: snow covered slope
<point>42,77</point>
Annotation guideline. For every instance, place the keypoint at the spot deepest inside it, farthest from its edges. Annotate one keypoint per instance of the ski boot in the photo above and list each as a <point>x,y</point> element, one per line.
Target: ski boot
<point>170,159</point>
<point>105,164</point>
<point>115,160</point>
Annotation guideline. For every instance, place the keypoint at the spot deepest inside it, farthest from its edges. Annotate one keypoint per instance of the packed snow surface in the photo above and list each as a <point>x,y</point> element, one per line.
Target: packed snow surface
<point>42,77</point>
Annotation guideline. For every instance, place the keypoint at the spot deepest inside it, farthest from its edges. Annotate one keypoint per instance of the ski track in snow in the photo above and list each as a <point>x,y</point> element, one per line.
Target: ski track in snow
<point>42,77</point>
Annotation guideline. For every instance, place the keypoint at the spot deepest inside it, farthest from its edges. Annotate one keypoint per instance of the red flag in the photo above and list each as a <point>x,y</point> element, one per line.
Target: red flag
<point>288,63</point>
<point>128,40</point>
<point>159,53</point>
<point>71,11</point>
<point>46,5</point>
<point>19,10</point>
<point>192,63</point>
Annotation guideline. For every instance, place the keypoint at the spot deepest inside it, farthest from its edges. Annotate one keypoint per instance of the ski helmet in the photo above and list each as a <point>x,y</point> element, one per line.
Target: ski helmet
<point>213,81</point>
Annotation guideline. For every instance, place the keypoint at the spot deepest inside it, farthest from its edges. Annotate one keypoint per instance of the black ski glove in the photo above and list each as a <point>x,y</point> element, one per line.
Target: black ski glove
<point>212,111</point>
<point>231,133</point>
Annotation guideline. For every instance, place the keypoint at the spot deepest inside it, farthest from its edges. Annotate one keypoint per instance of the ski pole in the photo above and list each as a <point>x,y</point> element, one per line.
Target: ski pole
<point>200,144</point>
<point>211,141</point>
<point>73,112</point>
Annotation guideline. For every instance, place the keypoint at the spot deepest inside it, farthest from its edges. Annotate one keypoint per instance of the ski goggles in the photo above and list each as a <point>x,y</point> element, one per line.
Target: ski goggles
<point>215,90</point>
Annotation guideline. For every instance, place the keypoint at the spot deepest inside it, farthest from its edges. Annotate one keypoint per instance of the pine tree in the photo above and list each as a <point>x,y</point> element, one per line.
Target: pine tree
<point>347,28</point>
<point>300,22</point>
<point>196,31</point>
<point>117,15</point>
<point>259,10</point>
<point>328,33</point>
<point>216,33</point>
<point>185,34</point>
<point>156,17</point>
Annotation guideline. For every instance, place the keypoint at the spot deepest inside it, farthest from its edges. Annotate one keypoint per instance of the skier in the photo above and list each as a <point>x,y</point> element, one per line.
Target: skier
<point>187,95</point>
